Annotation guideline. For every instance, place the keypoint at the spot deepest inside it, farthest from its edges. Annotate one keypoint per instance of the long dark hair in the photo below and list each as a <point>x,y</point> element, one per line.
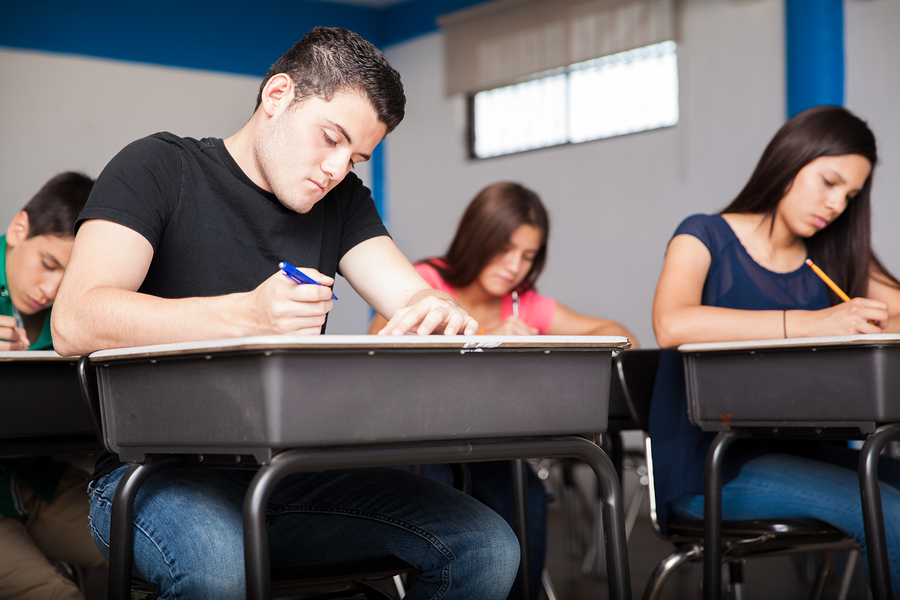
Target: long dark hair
<point>485,229</point>
<point>844,248</point>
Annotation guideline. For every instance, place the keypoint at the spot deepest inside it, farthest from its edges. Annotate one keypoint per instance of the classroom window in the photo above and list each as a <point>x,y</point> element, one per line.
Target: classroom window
<point>613,95</point>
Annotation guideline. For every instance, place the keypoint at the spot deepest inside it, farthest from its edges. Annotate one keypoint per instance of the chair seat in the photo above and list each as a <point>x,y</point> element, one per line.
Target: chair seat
<point>326,576</point>
<point>742,538</point>
<point>320,579</point>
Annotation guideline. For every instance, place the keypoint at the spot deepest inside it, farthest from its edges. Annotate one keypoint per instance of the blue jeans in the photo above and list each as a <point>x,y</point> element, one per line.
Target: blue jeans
<point>492,486</point>
<point>825,487</point>
<point>189,544</point>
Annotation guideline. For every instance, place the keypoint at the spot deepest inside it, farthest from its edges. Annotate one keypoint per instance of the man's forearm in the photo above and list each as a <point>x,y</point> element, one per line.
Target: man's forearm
<point>107,317</point>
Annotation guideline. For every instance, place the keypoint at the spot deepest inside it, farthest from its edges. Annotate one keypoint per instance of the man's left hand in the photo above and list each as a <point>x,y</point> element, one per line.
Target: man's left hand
<point>431,312</point>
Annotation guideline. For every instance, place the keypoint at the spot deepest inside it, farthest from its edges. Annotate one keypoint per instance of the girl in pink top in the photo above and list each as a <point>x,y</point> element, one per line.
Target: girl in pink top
<point>496,256</point>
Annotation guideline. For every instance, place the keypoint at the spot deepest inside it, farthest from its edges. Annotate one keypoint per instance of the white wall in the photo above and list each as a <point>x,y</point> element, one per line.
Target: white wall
<point>872,38</point>
<point>613,203</point>
<point>62,112</point>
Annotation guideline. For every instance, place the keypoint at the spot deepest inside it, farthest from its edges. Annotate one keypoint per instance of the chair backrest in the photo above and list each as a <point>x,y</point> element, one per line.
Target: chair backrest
<point>87,380</point>
<point>636,373</point>
<point>651,489</point>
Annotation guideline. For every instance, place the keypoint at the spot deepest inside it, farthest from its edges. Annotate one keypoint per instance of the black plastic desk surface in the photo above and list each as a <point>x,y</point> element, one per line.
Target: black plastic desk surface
<point>260,395</point>
<point>41,409</point>
<point>848,382</point>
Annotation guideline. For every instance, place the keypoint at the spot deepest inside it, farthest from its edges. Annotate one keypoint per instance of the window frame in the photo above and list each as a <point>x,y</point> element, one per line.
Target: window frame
<point>568,70</point>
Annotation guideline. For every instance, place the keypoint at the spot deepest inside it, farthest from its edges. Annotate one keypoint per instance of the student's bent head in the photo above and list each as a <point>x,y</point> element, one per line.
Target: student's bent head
<point>843,248</point>
<point>485,230</point>
<point>39,241</point>
<point>331,59</point>
<point>816,132</point>
<point>53,210</point>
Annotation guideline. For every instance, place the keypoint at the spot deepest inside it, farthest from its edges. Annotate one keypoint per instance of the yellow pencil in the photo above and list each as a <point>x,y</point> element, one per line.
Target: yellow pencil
<point>828,281</point>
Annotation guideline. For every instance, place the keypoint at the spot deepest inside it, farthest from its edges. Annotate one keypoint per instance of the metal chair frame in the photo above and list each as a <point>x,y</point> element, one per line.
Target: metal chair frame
<point>740,539</point>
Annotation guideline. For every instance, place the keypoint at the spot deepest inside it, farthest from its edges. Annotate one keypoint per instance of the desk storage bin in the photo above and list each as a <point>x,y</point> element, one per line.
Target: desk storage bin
<point>848,382</point>
<point>40,396</point>
<point>260,395</point>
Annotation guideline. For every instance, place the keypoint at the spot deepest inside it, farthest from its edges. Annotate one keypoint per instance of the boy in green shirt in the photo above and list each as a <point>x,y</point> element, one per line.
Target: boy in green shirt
<point>43,506</point>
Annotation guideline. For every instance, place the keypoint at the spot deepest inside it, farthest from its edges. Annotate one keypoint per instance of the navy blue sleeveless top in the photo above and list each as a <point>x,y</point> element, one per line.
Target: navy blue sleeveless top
<point>734,280</point>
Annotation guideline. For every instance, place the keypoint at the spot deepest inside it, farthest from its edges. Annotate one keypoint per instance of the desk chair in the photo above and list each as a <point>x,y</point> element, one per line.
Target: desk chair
<point>740,539</point>
<point>345,581</point>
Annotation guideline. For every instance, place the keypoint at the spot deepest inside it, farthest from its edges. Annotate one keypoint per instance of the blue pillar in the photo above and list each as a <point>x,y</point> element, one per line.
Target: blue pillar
<point>379,189</point>
<point>815,53</point>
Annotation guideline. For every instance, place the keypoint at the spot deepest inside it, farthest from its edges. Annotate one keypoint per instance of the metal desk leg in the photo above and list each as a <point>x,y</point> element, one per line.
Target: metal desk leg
<point>256,539</point>
<point>522,526</point>
<point>873,516</point>
<point>121,531</point>
<point>613,522</point>
<point>712,515</point>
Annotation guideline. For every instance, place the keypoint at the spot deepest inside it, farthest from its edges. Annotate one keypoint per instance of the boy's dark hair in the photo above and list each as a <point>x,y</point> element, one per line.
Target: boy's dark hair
<point>53,210</point>
<point>331,59</point>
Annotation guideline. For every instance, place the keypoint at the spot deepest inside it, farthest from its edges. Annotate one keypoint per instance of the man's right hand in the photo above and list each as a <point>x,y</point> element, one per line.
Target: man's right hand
<point>280,306</point>
<point>12,337</point>
<point>99,305</point>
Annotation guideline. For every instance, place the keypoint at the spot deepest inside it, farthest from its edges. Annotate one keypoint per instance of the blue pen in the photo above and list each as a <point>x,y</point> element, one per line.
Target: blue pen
<point>292,273</point>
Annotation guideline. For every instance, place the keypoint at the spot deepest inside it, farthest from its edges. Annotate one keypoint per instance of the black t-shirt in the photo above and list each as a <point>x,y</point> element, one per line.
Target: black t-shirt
<point>214,231</point>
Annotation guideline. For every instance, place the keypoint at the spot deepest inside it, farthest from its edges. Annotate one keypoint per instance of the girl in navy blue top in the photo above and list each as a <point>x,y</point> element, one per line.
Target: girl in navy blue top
<point>740,275</point>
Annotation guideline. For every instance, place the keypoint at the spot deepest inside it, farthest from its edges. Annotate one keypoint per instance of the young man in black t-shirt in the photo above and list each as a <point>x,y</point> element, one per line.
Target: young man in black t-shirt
<point>180,241</point>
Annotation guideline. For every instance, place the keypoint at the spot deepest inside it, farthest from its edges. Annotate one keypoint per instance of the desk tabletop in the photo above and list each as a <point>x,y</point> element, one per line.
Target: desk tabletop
<point>263,394</point>
<point>366,342</point>
<point>34,356</point>
<point>874,339</point>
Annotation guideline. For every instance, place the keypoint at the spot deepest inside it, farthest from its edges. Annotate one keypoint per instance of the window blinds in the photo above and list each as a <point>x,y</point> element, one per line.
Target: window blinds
<point>499,43</point>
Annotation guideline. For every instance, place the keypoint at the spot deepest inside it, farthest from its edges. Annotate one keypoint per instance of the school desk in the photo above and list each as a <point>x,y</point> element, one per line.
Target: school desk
<point>290,403</point>
<point>842,387</point>
<point>42,411</point>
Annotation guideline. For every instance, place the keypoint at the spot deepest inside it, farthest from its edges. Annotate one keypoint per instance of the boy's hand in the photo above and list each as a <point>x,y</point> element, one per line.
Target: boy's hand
<point>431,314</point>
<point>280,306</point>
<point>11,336</point>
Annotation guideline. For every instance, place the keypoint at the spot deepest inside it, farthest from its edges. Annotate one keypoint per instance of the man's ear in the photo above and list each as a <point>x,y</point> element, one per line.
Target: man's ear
<point>277,94</point>
<point>17,232</point>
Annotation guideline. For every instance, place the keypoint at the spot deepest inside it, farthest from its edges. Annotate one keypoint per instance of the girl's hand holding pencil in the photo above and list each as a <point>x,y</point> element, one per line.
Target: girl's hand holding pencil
<point>881,324</point>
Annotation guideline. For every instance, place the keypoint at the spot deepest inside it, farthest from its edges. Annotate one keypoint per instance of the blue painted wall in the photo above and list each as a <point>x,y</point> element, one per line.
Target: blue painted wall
<point>233,36</point>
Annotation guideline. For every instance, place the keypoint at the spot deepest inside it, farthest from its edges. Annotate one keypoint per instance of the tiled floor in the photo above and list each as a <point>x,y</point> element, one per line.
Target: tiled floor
<point>765,579</point>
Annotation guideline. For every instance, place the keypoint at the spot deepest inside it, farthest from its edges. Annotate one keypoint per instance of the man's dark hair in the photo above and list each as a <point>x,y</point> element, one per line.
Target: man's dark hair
<point>331,59</point>
<point>53,210</point>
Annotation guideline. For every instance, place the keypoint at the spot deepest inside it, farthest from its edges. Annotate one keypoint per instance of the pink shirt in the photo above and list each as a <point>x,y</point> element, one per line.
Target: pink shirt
<point>534,309</point>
